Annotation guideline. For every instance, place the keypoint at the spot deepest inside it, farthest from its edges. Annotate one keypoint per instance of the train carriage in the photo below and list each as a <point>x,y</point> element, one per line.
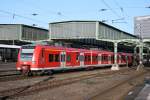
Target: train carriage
<point>48,58</point>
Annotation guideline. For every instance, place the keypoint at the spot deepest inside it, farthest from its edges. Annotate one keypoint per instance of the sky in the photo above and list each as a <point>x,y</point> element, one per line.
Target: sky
<point>117,13</point>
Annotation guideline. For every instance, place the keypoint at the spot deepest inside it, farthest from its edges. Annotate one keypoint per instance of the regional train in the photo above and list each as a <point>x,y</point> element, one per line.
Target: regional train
<point>41,58</point>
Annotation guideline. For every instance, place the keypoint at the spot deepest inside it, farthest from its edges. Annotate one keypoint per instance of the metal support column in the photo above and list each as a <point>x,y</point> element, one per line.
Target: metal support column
<point>140,66</point>
<point>115,66</point>
<point>135,57</point>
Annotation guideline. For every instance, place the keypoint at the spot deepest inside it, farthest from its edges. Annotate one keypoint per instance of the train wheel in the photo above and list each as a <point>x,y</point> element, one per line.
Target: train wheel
<point>27,73</point>
<point>50,72</point>
<point>24,73</point>
<point>89,68</point>
<point>30,73</point>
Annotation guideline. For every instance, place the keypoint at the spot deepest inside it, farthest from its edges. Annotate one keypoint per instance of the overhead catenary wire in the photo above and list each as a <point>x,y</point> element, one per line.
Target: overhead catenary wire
<point>122,11</point>
<point>113,11</point>
<point>59,13</point>
<point>121,8</point>
<point>21,16</point>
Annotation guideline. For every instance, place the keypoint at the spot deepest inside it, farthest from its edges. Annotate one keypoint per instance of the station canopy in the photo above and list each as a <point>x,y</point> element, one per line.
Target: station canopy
<point>86,29</point>
<point>21,32</point>
<point>88,32</point>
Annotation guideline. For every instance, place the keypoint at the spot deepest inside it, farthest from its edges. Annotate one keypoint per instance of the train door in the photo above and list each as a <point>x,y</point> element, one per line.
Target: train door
<point>81,59</point>
<point>63,59</point>
<point>112,59</point>
<point>105,58</point>
<point>99,59</point>
<point>69,59</point>
<point>109,59</point>
<point>126,60</point>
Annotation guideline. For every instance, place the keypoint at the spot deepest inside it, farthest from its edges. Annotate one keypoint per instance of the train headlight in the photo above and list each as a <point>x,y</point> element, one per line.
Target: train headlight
<point>25,67</point>
<point>33,62</point>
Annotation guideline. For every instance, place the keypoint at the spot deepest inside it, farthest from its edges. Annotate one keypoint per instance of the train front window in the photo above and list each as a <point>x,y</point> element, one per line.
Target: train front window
<point>27,53</point>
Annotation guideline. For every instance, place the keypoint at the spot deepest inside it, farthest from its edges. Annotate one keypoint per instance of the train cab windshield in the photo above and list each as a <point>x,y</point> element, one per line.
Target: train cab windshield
<point>27,53</point>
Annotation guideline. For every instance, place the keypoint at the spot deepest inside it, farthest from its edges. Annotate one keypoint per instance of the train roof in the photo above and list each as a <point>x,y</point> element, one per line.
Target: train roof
<point>70,49</point>
<point>123,53</point>
<point>9,46</point>
<point>74,49</point>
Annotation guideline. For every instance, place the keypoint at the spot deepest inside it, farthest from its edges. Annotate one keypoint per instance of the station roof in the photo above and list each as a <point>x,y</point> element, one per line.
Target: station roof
<point>28,26</point>
<point>112,27</point>
<point>22,32</point>
<point>80,29</point>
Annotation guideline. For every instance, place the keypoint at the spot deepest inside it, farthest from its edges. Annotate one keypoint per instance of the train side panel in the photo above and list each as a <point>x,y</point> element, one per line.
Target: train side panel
<point>52,58</point>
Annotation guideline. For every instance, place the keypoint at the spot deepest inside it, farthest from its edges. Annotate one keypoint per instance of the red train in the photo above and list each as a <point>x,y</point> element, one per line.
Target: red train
<point>48,58</point>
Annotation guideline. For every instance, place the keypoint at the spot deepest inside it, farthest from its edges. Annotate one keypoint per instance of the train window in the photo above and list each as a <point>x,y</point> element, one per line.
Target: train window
<point>56,58</point>
<point>112,58</point>
<point>77,57</point>
<point>68,58</point>
<point>42,52</point>
<point>104,58</point>
<point>95,58</point>
<point>89,58</point>
<point>123,58</point>
<point>28,47</point>
<point>51,57</point>
<point>86,58</point>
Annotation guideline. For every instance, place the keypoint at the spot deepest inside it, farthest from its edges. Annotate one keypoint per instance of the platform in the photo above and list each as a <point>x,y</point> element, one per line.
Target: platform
<point>141,92</point>
<point>144,94</point>
<point>7,66</point>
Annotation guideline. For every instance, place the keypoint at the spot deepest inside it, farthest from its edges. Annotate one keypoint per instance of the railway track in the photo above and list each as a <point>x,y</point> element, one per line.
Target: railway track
<point>48,84</point>
<point>9,75</point>
<point>9,72</point>
<point>16,77</point>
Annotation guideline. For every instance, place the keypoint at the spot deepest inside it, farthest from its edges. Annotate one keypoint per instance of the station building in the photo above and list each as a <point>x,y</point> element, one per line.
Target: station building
<point>142,30</point>
<point>142,26</point>
<point>14,35</point>
<point>88,34</point>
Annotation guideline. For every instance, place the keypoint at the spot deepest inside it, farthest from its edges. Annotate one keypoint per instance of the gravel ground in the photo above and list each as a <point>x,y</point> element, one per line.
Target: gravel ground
<point>86,89</point>
<point>14,84</point>
<point>19,83</point>
<point>82,90</point>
